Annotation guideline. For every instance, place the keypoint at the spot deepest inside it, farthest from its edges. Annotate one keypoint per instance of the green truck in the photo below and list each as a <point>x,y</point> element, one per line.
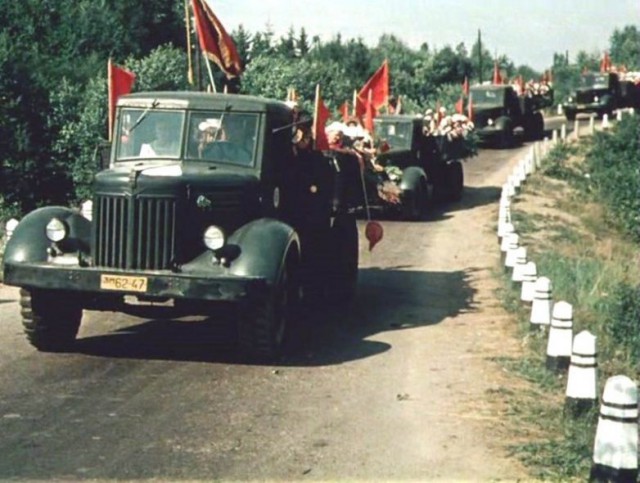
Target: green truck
<point>180,226</point>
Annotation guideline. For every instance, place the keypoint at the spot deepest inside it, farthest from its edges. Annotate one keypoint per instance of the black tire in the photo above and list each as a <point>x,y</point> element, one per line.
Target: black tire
<point>506,137</point>
<point>266,318</point>
<point>343,283</point>
<point>455,180</point>
<point>414,202</point>
<point>51,319</point>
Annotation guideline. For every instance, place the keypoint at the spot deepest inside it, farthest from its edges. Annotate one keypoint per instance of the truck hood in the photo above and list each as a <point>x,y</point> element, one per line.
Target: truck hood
<point>172,179</point>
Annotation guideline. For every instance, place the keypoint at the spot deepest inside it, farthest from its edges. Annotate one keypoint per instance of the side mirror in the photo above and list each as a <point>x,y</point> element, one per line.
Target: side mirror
<point>103,154</point>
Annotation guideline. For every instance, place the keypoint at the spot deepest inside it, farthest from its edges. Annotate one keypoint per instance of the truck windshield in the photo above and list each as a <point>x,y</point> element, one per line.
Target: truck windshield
<point>211,136</point>
<point>397,134</point>
<point>148,134</point>
<point>595,81</point>
<point>487,97</point>
<point>222,137</point>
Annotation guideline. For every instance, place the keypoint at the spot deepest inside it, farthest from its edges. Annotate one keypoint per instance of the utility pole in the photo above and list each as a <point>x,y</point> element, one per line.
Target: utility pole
<point>479,57</point>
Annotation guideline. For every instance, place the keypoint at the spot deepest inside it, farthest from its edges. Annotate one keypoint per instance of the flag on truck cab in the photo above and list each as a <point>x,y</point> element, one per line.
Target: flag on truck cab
<point>320,117</point>
<point>460,105</point>
<point>214,40</point>
<point>369,113</point>
<point>120,81</point>
<point>378,85</point>
<point>497,78</point>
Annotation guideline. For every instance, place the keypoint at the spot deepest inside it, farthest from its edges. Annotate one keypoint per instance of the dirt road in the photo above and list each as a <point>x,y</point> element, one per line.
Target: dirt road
<point>395,388</point>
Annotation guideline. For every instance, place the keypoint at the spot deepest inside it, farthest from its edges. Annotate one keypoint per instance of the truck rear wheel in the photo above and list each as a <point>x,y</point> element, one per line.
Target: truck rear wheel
<point>343,283</point>
<point>266,318</point>
<point>51,319</point>
<point>455,180</point>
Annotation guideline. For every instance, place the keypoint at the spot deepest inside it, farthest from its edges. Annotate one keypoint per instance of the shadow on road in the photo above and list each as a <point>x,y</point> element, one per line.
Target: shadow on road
<point>387,300</point>
<point>473,197</point>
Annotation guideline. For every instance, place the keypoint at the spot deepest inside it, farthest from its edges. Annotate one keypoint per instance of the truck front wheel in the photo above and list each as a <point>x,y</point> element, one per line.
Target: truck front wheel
<point>266,318</point>
<point>50,318</point>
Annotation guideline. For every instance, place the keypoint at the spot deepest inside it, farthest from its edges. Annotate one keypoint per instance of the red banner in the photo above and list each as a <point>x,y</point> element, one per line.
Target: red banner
<point>120,81</point>
<point>378,86</point>
<point>320,117</point>
<point>214,40</point>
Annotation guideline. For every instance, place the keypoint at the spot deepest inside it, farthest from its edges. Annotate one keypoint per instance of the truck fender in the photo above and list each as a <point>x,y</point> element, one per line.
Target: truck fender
<point>264,245</point>
<point>503,123</point>
<point>412,177</point>
<point>29,242</point>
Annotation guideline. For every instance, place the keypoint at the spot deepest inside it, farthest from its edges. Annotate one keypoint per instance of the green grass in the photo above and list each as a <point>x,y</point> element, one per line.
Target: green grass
<point>592,264</point>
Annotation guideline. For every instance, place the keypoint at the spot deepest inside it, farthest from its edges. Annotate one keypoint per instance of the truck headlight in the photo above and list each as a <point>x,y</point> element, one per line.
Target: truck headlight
<point>596,99</point>
<point>489,122</point>
<point>570,99</point>
<point>213,238</point>
<point>57,230</point>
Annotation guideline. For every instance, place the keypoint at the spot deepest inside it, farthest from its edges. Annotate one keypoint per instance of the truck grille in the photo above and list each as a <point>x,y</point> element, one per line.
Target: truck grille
<point>134,233</point>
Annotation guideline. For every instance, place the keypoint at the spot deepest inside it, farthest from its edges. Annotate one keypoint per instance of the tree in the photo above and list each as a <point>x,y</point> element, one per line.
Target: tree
<point>242,39</point>
<point>625,47</point>
<point>302,44</point>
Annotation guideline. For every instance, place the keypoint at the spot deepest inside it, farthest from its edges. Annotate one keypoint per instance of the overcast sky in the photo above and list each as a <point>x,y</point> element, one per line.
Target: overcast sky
<point>527,31</point>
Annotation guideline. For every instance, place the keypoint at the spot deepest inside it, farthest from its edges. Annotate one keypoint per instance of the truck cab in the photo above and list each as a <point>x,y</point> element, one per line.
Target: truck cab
<point>598,93</point>
<point>195,208</point>
<point>498,111</point>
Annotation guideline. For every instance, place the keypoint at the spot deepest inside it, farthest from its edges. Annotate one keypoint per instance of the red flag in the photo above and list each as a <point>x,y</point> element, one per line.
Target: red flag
<point>497,78</point>
<point>605,63</point>
<point>344,111</point>
<point>369,114</point>
<point>120,81</point>
<point>460,105</point>
<point>320,116</point>
<point>378,85</point>
<point>215,42</point>
<point>465,87</point>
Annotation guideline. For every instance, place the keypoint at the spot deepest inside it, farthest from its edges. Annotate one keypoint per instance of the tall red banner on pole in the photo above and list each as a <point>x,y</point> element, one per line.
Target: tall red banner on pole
<point>214,40</point>
<point>120,81</point>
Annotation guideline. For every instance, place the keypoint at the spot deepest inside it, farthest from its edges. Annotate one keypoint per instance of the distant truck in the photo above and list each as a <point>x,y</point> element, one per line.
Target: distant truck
<point>180,227</point>
<point>602,93</point>
<point>422,168</point>
<point>498,111</point>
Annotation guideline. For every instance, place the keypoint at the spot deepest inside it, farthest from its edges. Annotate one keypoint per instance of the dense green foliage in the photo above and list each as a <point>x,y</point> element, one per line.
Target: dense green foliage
<point>613,169</point>
<point>53,80</point>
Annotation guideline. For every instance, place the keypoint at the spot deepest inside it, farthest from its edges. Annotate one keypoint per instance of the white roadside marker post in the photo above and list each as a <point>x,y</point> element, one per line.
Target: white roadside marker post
<point>581,393</point>
<point>529,275</point>
<point>517,276</point>
<point>541,306</point>
<point>615,451</point>
<point>560,337</point>
<point>510,254</point>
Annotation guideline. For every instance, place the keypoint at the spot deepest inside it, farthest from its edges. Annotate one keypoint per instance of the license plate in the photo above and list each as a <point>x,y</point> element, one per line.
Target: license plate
<point>123,283</point>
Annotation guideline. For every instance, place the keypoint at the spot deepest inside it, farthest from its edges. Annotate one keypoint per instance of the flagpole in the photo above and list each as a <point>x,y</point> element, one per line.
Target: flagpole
<point>208,64</point>
<point>110,100</point>
<point>355,100</point>
<point>187,24</point>
<point>316,108</point>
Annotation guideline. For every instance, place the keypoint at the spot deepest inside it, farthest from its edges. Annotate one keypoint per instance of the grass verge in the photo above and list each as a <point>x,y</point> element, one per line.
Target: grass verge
<point>592,261</point>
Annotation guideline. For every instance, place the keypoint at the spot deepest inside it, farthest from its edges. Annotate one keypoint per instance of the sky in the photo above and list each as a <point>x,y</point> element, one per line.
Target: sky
<point>527,31</point>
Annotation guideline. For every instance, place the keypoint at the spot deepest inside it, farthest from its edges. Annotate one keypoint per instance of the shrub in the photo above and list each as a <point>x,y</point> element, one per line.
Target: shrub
<point>623,322</point>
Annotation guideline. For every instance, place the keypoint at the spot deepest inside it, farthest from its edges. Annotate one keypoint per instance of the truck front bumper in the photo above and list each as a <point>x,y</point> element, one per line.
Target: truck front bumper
<point>215,286</point>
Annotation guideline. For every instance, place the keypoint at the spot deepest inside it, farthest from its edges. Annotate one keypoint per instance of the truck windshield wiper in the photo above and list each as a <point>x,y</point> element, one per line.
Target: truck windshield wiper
<point>144,114</point>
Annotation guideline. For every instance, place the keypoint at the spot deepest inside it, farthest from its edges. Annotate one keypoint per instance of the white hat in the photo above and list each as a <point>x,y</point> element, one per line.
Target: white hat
<point>335,126</point>
<point>209,123</point>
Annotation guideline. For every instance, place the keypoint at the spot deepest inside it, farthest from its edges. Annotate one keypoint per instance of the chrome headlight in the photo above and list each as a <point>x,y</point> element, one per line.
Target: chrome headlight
<point>57,230</point>
<point>596,99</point>
<point>570,99</point>
<point>489,122</point>
<point>213,238</point>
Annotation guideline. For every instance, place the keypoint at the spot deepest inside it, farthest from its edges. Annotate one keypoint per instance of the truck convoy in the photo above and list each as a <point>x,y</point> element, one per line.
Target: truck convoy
<point>498,110</point>
<point>602,93</point>
<point>191,210</point>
